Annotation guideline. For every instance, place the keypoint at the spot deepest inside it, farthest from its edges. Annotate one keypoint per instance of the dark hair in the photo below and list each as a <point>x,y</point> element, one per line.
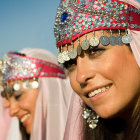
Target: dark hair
<point>114,129</point>
<point>24,134</point>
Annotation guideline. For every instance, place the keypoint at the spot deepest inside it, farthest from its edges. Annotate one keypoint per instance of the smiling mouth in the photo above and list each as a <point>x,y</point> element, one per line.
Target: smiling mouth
<point>25,117</point>
<point>98,91</point>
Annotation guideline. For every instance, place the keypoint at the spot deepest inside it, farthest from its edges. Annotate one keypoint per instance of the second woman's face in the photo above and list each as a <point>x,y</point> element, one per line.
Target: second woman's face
<point>107,80</point>
<point>22,105</point>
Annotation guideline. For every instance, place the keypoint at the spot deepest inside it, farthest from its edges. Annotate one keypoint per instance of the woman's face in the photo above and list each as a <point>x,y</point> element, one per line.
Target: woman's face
<point>22,105</point>
<point>107,80</point>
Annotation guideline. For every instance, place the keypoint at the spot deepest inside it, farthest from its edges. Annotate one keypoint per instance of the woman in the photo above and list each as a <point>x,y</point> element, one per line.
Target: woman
<point>36,92</point>
<point>98,44</point>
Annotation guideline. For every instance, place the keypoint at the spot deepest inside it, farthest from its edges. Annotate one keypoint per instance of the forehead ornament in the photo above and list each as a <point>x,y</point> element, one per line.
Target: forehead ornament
<point>78,17</point>
<point>15,67</point>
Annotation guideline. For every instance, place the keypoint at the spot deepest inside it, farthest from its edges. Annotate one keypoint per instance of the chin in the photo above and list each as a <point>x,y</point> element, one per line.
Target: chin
<point>28,130</point>
<point>106,114</point>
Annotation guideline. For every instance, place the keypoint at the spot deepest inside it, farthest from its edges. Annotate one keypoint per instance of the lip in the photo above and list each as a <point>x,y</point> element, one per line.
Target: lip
<point>95,88</point>
<point>25,122</point>
<point>101,95</point>
<point>20,116</point>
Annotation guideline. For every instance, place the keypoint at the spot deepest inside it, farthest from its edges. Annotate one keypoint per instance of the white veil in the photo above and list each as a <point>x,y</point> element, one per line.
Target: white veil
<point>52,102</point>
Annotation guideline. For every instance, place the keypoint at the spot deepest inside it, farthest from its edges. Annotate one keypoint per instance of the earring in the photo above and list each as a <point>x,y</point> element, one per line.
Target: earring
<point>90,117</point>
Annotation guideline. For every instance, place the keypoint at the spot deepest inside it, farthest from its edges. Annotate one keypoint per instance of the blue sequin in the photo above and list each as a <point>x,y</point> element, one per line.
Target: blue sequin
<point>64,17</point>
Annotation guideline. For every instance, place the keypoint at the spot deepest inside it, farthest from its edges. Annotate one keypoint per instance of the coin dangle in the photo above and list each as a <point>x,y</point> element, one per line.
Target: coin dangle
<point>72,53</point>
<point>79,49</point>
<point>126,39</point>
<point>65,56</point>
<point>85,44</point>
<point>60,57</point>
<point>94,41</point>
<point>119,39</point>
<point>104,40</point>
<point>112,39</point>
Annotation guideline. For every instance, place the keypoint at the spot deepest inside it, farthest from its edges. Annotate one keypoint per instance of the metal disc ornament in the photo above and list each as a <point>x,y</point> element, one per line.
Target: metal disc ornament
<point>72,53</point>
<point>27,85</point>
<point>112,40</point>
<point>126,39</point>
<point>79,49</point>
<point>104,40</point>
<point>94,41</point>
<point>16,87</point>
<point>65,56</point>
<point>35,84</point>
<point>60,58</point>
<point>85,45</point>
<point>119,40</point>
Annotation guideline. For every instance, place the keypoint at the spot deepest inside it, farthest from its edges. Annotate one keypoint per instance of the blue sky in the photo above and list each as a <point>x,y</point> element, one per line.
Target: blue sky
<point>27,23</point>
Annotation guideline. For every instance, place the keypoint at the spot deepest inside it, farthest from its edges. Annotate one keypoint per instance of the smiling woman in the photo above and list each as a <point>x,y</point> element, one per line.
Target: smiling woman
<point>98,43</point>
<point>30,80</point>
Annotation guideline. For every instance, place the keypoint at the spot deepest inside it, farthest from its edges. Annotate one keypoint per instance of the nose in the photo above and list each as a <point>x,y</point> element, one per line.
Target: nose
<point>85,71</point>
<point>14,107</point>
<point>6,103</point>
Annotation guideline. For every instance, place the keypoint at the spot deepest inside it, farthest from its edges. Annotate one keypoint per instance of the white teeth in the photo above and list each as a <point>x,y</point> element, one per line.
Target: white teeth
<point>97,91</point>
<point>25,117</point>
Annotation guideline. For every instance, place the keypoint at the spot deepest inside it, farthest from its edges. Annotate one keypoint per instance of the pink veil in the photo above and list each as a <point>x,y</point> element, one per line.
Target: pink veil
<point>73,127</point>
<point>4,121</point>
<point>52,102</point>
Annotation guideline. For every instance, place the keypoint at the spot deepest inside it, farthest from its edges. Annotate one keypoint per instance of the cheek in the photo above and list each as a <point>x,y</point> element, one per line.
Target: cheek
<point>28,102</point>
<point>74,84</point>
<point>115,65</point>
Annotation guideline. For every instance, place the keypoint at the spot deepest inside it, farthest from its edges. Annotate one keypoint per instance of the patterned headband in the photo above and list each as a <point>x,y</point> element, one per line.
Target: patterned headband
<point>16,67</point>
<point>78,17</point>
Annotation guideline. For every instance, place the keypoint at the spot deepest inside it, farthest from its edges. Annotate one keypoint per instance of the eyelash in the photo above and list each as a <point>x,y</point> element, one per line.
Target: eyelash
<point>94,52</point>
<point>18,95</point>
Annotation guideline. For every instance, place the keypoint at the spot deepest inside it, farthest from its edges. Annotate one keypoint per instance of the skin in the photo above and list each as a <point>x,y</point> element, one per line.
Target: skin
<point>115,67</point>
<point>22,103</point>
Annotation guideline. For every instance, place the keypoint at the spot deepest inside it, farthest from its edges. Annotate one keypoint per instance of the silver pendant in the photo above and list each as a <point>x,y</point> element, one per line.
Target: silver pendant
<point>85,45</point>
<point>27,85</point>
<point>104,40</point>
<point>72,53</point>
<point>16,87</point>
<point>35,84</point>
<point>60,58</point>
<point>126,39</point>
<point>65,56</point>
<point>94,41</point>
<point>119,40</point>
<point>79,49</point>
<point>112,40</point>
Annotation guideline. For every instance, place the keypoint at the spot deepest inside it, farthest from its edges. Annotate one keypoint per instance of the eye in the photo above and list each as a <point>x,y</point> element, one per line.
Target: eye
<point>95,52</point>
<point>18,95</point>
<point>69,65</point>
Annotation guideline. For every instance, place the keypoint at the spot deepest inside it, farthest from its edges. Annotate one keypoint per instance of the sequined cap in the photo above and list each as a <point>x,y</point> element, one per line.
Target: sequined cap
<point>77,17</point>
<point>16,67</point>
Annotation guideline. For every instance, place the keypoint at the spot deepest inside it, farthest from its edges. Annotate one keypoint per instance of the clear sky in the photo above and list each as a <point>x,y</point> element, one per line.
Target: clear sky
<point>27,23</point>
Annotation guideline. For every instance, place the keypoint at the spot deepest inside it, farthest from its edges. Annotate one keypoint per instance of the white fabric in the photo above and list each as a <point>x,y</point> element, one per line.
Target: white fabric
<point>14,132</point>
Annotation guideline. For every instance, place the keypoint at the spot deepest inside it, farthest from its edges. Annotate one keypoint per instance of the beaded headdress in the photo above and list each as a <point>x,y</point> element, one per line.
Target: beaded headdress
<point>16,67</point>
<point>78,17</point>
